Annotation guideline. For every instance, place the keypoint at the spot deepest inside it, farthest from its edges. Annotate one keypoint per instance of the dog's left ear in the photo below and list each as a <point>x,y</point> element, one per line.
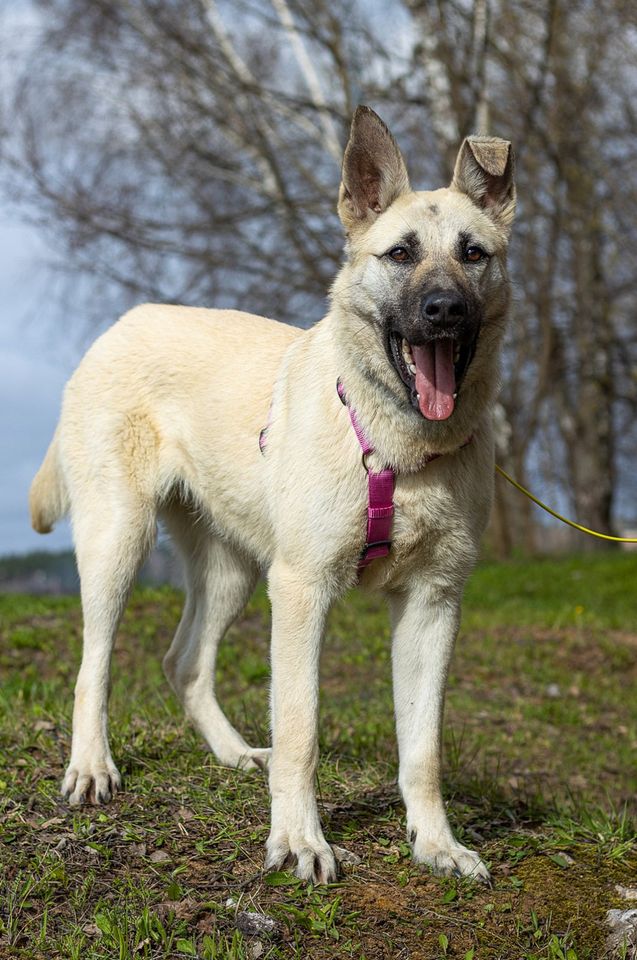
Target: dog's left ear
<point>374,172</point>
<point>484,171</point>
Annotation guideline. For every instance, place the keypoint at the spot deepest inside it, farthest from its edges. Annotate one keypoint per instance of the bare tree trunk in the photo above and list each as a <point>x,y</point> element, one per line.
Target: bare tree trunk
<point>481,23</point>
<point>592,453</point>
<point>438,81</point>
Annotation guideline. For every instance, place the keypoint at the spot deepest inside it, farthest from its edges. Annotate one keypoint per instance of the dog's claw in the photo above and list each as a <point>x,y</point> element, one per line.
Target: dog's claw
<point>457,861</point>
<point>97,785</point>
<point>313,862</point>
<point>453,860</point>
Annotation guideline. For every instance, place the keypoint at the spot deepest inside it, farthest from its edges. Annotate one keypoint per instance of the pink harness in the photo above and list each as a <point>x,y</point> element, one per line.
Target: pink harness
<point>380,490</point>
<point>380,495</point>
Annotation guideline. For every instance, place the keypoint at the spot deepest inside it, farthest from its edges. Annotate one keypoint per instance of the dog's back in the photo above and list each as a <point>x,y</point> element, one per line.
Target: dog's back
<point>158,376</point>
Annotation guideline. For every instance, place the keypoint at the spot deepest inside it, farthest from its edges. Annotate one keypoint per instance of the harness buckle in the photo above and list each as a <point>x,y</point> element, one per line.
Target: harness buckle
<point>376,543</point>
<point>364,557</point>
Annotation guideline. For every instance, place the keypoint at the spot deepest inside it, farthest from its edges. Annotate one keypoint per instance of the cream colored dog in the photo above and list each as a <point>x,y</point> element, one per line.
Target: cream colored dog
<point>162,419</point>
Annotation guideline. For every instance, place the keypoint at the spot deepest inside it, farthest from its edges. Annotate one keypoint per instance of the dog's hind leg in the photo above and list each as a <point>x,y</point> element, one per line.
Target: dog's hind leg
<point>219,582</point>
<point>111,544</point>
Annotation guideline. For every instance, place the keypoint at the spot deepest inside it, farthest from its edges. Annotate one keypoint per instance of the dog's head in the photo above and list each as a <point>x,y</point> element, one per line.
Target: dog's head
<point>426,271</point>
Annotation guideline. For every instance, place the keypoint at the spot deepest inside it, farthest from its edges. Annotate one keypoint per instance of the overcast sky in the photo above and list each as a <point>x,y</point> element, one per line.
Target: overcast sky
<point>36,359</point>
<point>37,352</point>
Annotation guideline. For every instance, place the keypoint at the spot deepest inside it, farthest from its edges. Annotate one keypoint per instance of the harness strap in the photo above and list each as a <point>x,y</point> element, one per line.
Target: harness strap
<point>380,496</point>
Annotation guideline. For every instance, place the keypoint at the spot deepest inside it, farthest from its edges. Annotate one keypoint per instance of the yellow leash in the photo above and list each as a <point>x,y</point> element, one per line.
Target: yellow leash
<point>558,516</point>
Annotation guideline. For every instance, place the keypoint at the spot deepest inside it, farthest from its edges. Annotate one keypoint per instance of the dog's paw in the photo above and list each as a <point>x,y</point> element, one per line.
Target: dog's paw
<point>453,860</point>
<point>313,861</point>
<point>255,759</point>
<point>91,783</point>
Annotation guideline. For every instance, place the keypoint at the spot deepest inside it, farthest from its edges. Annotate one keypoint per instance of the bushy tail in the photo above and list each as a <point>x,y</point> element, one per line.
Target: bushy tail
<point>48,497</point>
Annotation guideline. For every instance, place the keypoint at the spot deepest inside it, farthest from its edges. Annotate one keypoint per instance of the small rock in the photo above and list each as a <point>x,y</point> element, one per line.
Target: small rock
<point>553,691</point>
<point>256,950</point>
<point>255,924</point>
<point>622,940</point>
<point>43,725</point>
<point>159,856</point>
<point>230,903</point>
<point>626,893</point>
<point>346,856</point>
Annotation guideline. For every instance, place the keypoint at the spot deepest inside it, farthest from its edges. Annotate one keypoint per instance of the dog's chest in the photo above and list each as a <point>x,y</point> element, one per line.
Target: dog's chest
<point>423,513</point>
<point>436,528</point>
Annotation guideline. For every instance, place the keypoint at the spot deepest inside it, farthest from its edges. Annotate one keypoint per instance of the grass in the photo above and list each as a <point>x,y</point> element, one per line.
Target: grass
<point>540,774</point>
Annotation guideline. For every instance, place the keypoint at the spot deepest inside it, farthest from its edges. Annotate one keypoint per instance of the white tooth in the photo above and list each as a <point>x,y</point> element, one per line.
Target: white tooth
<point>455,396</point>
<point>411,367</point>
<point>418,395</point>
<point>456,353</point>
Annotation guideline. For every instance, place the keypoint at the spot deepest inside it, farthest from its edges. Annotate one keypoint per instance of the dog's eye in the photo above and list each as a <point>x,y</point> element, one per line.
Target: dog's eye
<point>474,254</point>
<point>399,254</point>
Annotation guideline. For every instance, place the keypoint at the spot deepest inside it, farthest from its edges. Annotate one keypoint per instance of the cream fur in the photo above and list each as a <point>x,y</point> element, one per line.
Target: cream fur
<point>162,419</point>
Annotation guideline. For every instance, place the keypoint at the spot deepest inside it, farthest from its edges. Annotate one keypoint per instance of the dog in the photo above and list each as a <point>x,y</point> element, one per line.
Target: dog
<point>232,430</point>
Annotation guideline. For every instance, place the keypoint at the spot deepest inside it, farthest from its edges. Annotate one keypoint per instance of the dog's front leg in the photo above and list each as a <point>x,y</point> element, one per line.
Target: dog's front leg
<point>296,839</point>
<point>425,622</point>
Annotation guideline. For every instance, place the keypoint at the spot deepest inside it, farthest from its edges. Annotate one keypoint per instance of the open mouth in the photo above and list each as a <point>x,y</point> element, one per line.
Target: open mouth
<point>432,372</point>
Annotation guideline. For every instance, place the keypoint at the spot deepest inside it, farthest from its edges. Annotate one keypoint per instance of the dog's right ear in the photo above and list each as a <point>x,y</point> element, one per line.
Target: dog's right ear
<point>484,171</point>
<point>374,172</point>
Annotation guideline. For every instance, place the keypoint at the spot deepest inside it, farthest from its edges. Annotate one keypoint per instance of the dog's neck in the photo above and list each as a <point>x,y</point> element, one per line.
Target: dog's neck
<point>401,436</point>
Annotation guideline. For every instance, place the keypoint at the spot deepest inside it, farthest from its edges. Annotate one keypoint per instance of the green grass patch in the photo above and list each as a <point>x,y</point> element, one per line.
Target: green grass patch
<point>540,774</point>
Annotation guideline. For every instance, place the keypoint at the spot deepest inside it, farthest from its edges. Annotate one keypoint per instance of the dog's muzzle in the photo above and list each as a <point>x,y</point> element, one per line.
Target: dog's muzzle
<point>433,361</point>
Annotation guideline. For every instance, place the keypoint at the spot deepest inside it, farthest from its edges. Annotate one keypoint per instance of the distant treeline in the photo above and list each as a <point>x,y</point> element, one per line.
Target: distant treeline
<point>39,572</point>
<point>44,572</point>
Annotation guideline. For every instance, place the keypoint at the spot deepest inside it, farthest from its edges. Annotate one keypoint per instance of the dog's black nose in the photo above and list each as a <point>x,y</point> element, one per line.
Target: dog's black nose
<point>445,308</point>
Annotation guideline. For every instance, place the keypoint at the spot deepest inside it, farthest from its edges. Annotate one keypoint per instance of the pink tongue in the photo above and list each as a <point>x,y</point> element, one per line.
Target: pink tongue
<point>435,379</point>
